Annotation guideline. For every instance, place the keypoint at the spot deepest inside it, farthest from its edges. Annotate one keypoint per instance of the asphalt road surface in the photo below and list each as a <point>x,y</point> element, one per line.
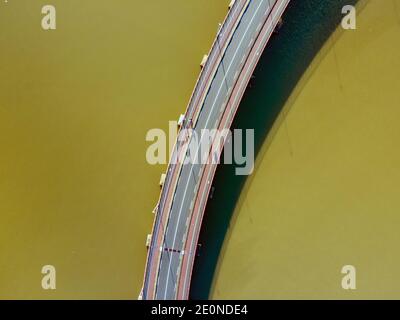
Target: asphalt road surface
<point>214,103</point>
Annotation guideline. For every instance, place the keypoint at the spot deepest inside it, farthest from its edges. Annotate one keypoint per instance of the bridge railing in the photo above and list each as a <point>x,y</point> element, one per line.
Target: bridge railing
<point>191,109</point>
<point>214,52</point>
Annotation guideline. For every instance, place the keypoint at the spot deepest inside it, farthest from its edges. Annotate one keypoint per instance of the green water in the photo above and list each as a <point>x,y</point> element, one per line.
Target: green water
<point>324,193</point>
<point>307,26</point>
<point>76,103</point>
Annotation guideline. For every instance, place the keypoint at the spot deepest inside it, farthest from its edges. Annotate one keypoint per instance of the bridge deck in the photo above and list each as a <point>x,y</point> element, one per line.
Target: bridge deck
<point>218,92</point>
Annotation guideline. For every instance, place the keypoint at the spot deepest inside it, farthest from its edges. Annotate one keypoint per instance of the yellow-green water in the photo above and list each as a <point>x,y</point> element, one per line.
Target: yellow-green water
<point>325,192</point>
<point>75,105</point>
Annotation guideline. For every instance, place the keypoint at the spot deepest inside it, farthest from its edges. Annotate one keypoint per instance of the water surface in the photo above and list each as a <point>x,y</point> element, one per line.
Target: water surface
<point>75,105</point>
<point>325,190</point>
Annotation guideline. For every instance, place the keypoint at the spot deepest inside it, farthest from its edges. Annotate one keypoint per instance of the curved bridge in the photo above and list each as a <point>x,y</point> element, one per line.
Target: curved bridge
<point>217,95</point>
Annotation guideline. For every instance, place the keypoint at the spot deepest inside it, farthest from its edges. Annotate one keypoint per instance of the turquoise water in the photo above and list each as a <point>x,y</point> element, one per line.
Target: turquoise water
<point>307,26</point>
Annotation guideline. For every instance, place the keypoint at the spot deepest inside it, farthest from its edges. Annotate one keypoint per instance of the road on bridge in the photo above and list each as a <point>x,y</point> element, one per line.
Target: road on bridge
<point>235,46</point>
